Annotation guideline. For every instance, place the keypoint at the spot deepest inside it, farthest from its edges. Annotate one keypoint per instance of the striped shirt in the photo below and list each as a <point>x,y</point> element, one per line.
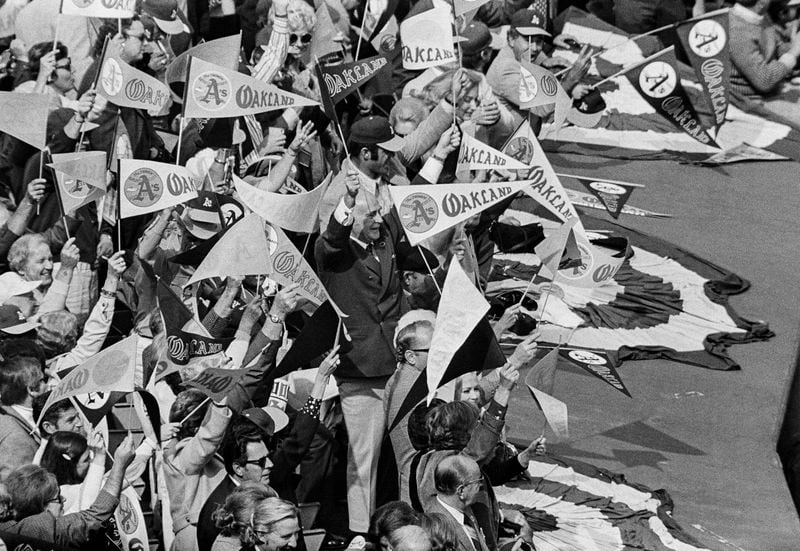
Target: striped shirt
<point>758,68</point>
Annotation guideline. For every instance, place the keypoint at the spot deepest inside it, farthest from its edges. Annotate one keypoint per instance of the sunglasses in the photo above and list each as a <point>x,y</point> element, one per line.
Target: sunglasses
<point>261,462</point>
<point>66,66</point>
<point>304,39</point>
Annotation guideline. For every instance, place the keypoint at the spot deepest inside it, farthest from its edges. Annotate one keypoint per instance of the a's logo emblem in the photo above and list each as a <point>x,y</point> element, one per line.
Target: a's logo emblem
<point>707,38</point>
<point>587,357</point>
<point>607,187</point>
<point>144,187</point>
<point>418,212</point>
<point>111,76</point>
<point>658,79</point>
<point>212,90</point>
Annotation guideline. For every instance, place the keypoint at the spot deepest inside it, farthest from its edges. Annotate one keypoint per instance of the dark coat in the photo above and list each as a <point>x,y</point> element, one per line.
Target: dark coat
<point>368,291</point>
<point>285,460</point>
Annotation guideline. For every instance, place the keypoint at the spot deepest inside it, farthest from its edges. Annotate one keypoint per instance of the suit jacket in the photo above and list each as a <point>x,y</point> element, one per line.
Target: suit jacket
<point>368,291</point>
<point>285,460</point>
<point>394,395</point>
<point>18,441</point>
<point>463,542</point>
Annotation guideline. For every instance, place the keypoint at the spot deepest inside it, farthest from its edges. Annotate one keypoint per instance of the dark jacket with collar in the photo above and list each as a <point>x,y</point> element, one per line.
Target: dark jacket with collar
<point>284,462</point>
<point>368,291</point>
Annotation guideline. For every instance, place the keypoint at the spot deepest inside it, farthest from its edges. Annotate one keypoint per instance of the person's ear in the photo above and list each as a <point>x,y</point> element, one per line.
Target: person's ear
<point>365,154</point>
<point>410,357</point>
<point>238,470</point>
<point>48,428</point>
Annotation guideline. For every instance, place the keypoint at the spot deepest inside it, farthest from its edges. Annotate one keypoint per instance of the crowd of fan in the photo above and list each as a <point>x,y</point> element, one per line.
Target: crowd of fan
<point>232,471</point>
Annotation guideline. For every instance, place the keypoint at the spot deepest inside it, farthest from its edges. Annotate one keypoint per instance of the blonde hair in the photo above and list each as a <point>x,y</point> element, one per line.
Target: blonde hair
<point>266,514</point>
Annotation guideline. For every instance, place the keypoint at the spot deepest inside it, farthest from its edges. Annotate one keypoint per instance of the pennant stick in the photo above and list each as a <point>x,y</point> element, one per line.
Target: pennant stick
<point>433,277</point>
<point>626,69</point>
<point>55,36</point>
<point>544,304</point>
<point>195,410</point>
<point>41,170</point>
<point>361,31</point>
<point>599,179</point>
<point>94,86</point>
<point>338,333</point>
<point>119,216</point>
<point>119,25</point>
<point>180,139</point>
<point>530,282</point>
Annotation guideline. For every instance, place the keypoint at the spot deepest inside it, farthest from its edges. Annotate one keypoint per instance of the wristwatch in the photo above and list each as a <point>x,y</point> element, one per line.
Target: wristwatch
<point>275,319</point>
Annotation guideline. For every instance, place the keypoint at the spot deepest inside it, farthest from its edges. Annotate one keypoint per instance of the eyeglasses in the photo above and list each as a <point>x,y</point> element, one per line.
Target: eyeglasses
<point>140,37</point>
<point>66,66</point>
<point>58,499</point>
<point>478,481</point>
<point>261,462</point>
<point>420,350</point>
<point>304,39</point>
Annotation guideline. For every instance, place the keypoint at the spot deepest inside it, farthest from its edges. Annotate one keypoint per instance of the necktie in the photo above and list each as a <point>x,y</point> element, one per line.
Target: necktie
<point>471,527</point>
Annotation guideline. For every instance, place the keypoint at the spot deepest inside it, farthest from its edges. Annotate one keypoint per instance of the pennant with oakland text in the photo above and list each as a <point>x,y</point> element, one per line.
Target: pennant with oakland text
<point>385,41</point>
<point>103,9</point>
<point>242,251</point>
<point>345,78</point>
<point>598,364</point>
<point>461,307</point>
<point>148,186</point>
<point>429,209</point>
<point>214,92</point>
<point>476,155</point>
<point>111,369</point>
<point>297,212</point>
<point>612,194</point>
<point>545,188</point>
<point>24,116</point>
<point>537,87</point>
<point>216,382</point>
<point>289,267</point>
<point>222,51</point>
<point>540,382</point>
<point>183,343</point>
<point>323,35</point>
<point>126,86</point>
<point>328,106</point>
<point>705,41</point>
<point>657,81</point>
<point>427,39</point>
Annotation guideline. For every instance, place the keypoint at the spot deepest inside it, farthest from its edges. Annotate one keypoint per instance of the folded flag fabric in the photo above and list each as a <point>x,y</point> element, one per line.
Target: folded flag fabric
<point>24,116</point>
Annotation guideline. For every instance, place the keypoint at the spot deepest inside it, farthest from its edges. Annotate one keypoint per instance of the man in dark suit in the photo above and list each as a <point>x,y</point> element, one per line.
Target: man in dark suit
<point>458,480</point>
<point>357,264</point>
<point>247,458</point>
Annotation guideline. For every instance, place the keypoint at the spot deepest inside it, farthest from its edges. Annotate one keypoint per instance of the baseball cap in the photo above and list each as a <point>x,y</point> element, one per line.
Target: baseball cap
<point>376,130</point>
<point>12,285</point>
<point>13,322</point>
<point>529,22</point>
<point>477,37</point>
<point>166,15</point>
<point>413,261</point>
<point>269,419</point>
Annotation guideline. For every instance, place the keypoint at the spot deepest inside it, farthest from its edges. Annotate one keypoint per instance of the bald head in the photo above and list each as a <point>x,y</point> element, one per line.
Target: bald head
<point>410,538</point>
<point>453,472</point>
